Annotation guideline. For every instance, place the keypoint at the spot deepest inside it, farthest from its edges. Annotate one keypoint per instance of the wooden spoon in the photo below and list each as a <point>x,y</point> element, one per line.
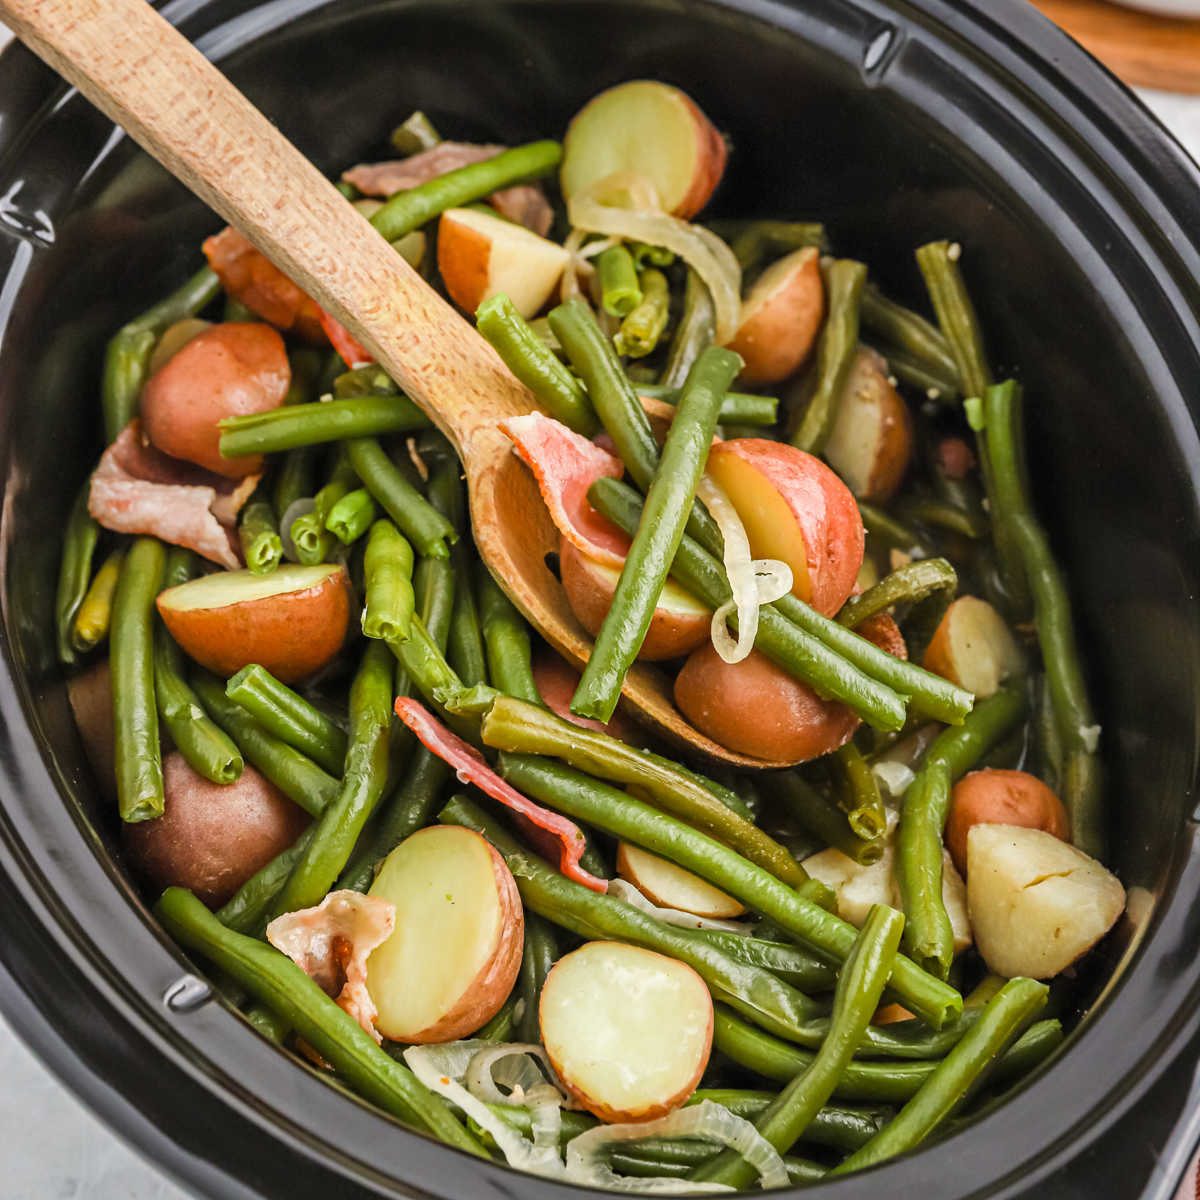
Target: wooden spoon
<point>135,67</point>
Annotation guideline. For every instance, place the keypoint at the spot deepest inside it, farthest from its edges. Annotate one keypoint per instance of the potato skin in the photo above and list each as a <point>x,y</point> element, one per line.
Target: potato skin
<point>212,837</point>
<point>557,680</point>
<point>90,694</point>
<point>226,371</point>
<point>996,797</point>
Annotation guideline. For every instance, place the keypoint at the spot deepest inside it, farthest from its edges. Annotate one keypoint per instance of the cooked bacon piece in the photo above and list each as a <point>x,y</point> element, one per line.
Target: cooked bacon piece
<point>249,276</point>
<point>565,465</point>
<point>352,353</point>
<point>138,489</point>
<point>525,203</point>
<point>551,832</point>
<point>331,944</point>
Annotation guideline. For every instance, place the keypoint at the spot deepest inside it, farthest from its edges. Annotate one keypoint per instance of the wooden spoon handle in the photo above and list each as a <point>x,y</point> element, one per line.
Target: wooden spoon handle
<point>135,67</point>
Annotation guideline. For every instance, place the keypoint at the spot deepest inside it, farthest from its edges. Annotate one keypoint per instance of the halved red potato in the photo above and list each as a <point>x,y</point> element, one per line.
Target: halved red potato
<point>973,647</point>
<point>454,954</point>
<point>781,315</point>
<point>90,694</point>
<point>653,130</point>
<point>670,886</point>
<point>680,622</point>
<point>557,680</point>
<point>872,439</point>
<point>480,256</point>
<point>995,797</point>
<point>225,371</point>
<point>629,1031</point>
<point>292,621</point>
<point>796,509</point>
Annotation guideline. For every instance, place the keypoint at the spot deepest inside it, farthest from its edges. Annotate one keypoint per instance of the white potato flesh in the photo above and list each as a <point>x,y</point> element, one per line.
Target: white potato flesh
<point>455,952</point>
<point>1036,903</point>
<point>629,1031</point>
<point>670,886</point>
<point>974,648</point>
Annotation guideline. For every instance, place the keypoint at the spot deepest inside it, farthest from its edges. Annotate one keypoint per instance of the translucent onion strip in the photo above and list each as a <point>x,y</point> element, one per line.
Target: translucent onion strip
<point>624,890</point>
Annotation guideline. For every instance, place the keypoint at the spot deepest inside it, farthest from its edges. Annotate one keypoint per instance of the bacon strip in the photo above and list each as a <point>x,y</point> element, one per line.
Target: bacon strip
<point>331,944</point>
<point>551,832</point>
<point>565,465</point>
<point>138,489</point>
<point>525,203</point>
<point>351,351</point>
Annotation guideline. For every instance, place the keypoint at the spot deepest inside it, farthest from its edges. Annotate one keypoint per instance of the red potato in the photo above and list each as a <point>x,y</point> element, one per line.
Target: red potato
<point>755,707</point>
<point>90,694</point>
<point>653,130</point>
<point>212,837</point>
<point>972,646</point>
<point>994,797</point>
<point>781,315</point>
<point>670,886</point>
<point>454,954</point>
<point>480,256</point>
<point>629,1031</point>
<point>872,439</point>
<point>557,680</point>
<point>680,622</point>
<point>292,621</point>
<point>796,509</point>
<point>226,371</point>
<point>174,338</point>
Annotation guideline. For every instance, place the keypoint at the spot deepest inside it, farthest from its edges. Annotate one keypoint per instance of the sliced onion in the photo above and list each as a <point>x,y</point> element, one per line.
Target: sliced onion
<point>754,582</point>
<point>706,1120</point>
<point>627,205</point>
<point>622,889</point>
<point>893,777</point>
<point>297,508</point>
<point>516,1072</point>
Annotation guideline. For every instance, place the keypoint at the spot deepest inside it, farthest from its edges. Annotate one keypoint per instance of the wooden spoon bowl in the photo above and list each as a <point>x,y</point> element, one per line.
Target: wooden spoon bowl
<point>135,67</point>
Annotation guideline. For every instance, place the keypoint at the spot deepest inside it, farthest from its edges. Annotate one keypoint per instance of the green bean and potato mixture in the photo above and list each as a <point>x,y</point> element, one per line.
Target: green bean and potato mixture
<point>426,854</point>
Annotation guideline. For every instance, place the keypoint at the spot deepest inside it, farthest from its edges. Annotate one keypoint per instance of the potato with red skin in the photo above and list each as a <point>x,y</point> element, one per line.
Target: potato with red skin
<point>795,509</point>
<point>755,707</point>
<point>212,837</point>
<point>996,797</point>
<point>680,622</point>
<point>292,622</point>
<point>556,682</point>
<point>226,371</point>
<point>973,647</point>
<point>781,315</point>
<point>90,694</point>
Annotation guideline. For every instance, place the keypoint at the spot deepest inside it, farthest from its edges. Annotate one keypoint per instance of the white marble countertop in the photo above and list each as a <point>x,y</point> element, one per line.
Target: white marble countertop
<point>63,1151</point>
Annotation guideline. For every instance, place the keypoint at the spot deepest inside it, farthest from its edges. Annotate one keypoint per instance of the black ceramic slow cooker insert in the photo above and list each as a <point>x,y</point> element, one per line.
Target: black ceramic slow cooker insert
<point>896,123</point>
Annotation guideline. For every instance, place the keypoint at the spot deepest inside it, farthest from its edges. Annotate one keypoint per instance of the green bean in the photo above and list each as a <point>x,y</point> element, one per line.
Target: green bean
<point>820,816</point>
<point>617,813</point>
<point>362,786</point>
<point>425,663</point>
<point>656,256</point>
<point>416,518</point>
<point>938,262</point>
<point>799,652</point>
<point>294,476</point>
<point>694,333</point>
<point>368,380</point>
<point>909,584</point>
<point>288,717</point>
<point>727,796</point>
<point>912,334</point>
<point>127,359</point>
<point>860,798</point>
<point>541,950</point>
<point>414,134</point>
<point>94,617</point>
<point>860,984</point>
<point>792,963</point>
<point>1013,1007</point>
<point>838,1127</point>
<point>517,726</point>
<point>135,715</point>
<point>895,533</point>
<point>387,567</point>
<point>836,349</point>
<point>410,209</point>
<point>643,326</point>
<point>506,641</point>
<point>303,425</point>
<point>75,571</point>
<point>351,516</point>
<point>739,408</point>
<point>928,936</point>
<point>293,773</point>
<point>235,310</point>
<point>617,405</point>
<point>309,533</point>
<point>753,240</point>
<point>258,533</point>
<point>927,510</point>
<point>498,1031</point>
<point>983,991</point>
<point>275,980</point>
<point>935,384</point>
<point>619,290</point>
<point>534,364</point>
<point>668,503</point>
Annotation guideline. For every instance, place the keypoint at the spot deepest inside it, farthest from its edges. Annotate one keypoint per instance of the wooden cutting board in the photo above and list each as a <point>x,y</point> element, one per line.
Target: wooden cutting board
<point>1143,49</point>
